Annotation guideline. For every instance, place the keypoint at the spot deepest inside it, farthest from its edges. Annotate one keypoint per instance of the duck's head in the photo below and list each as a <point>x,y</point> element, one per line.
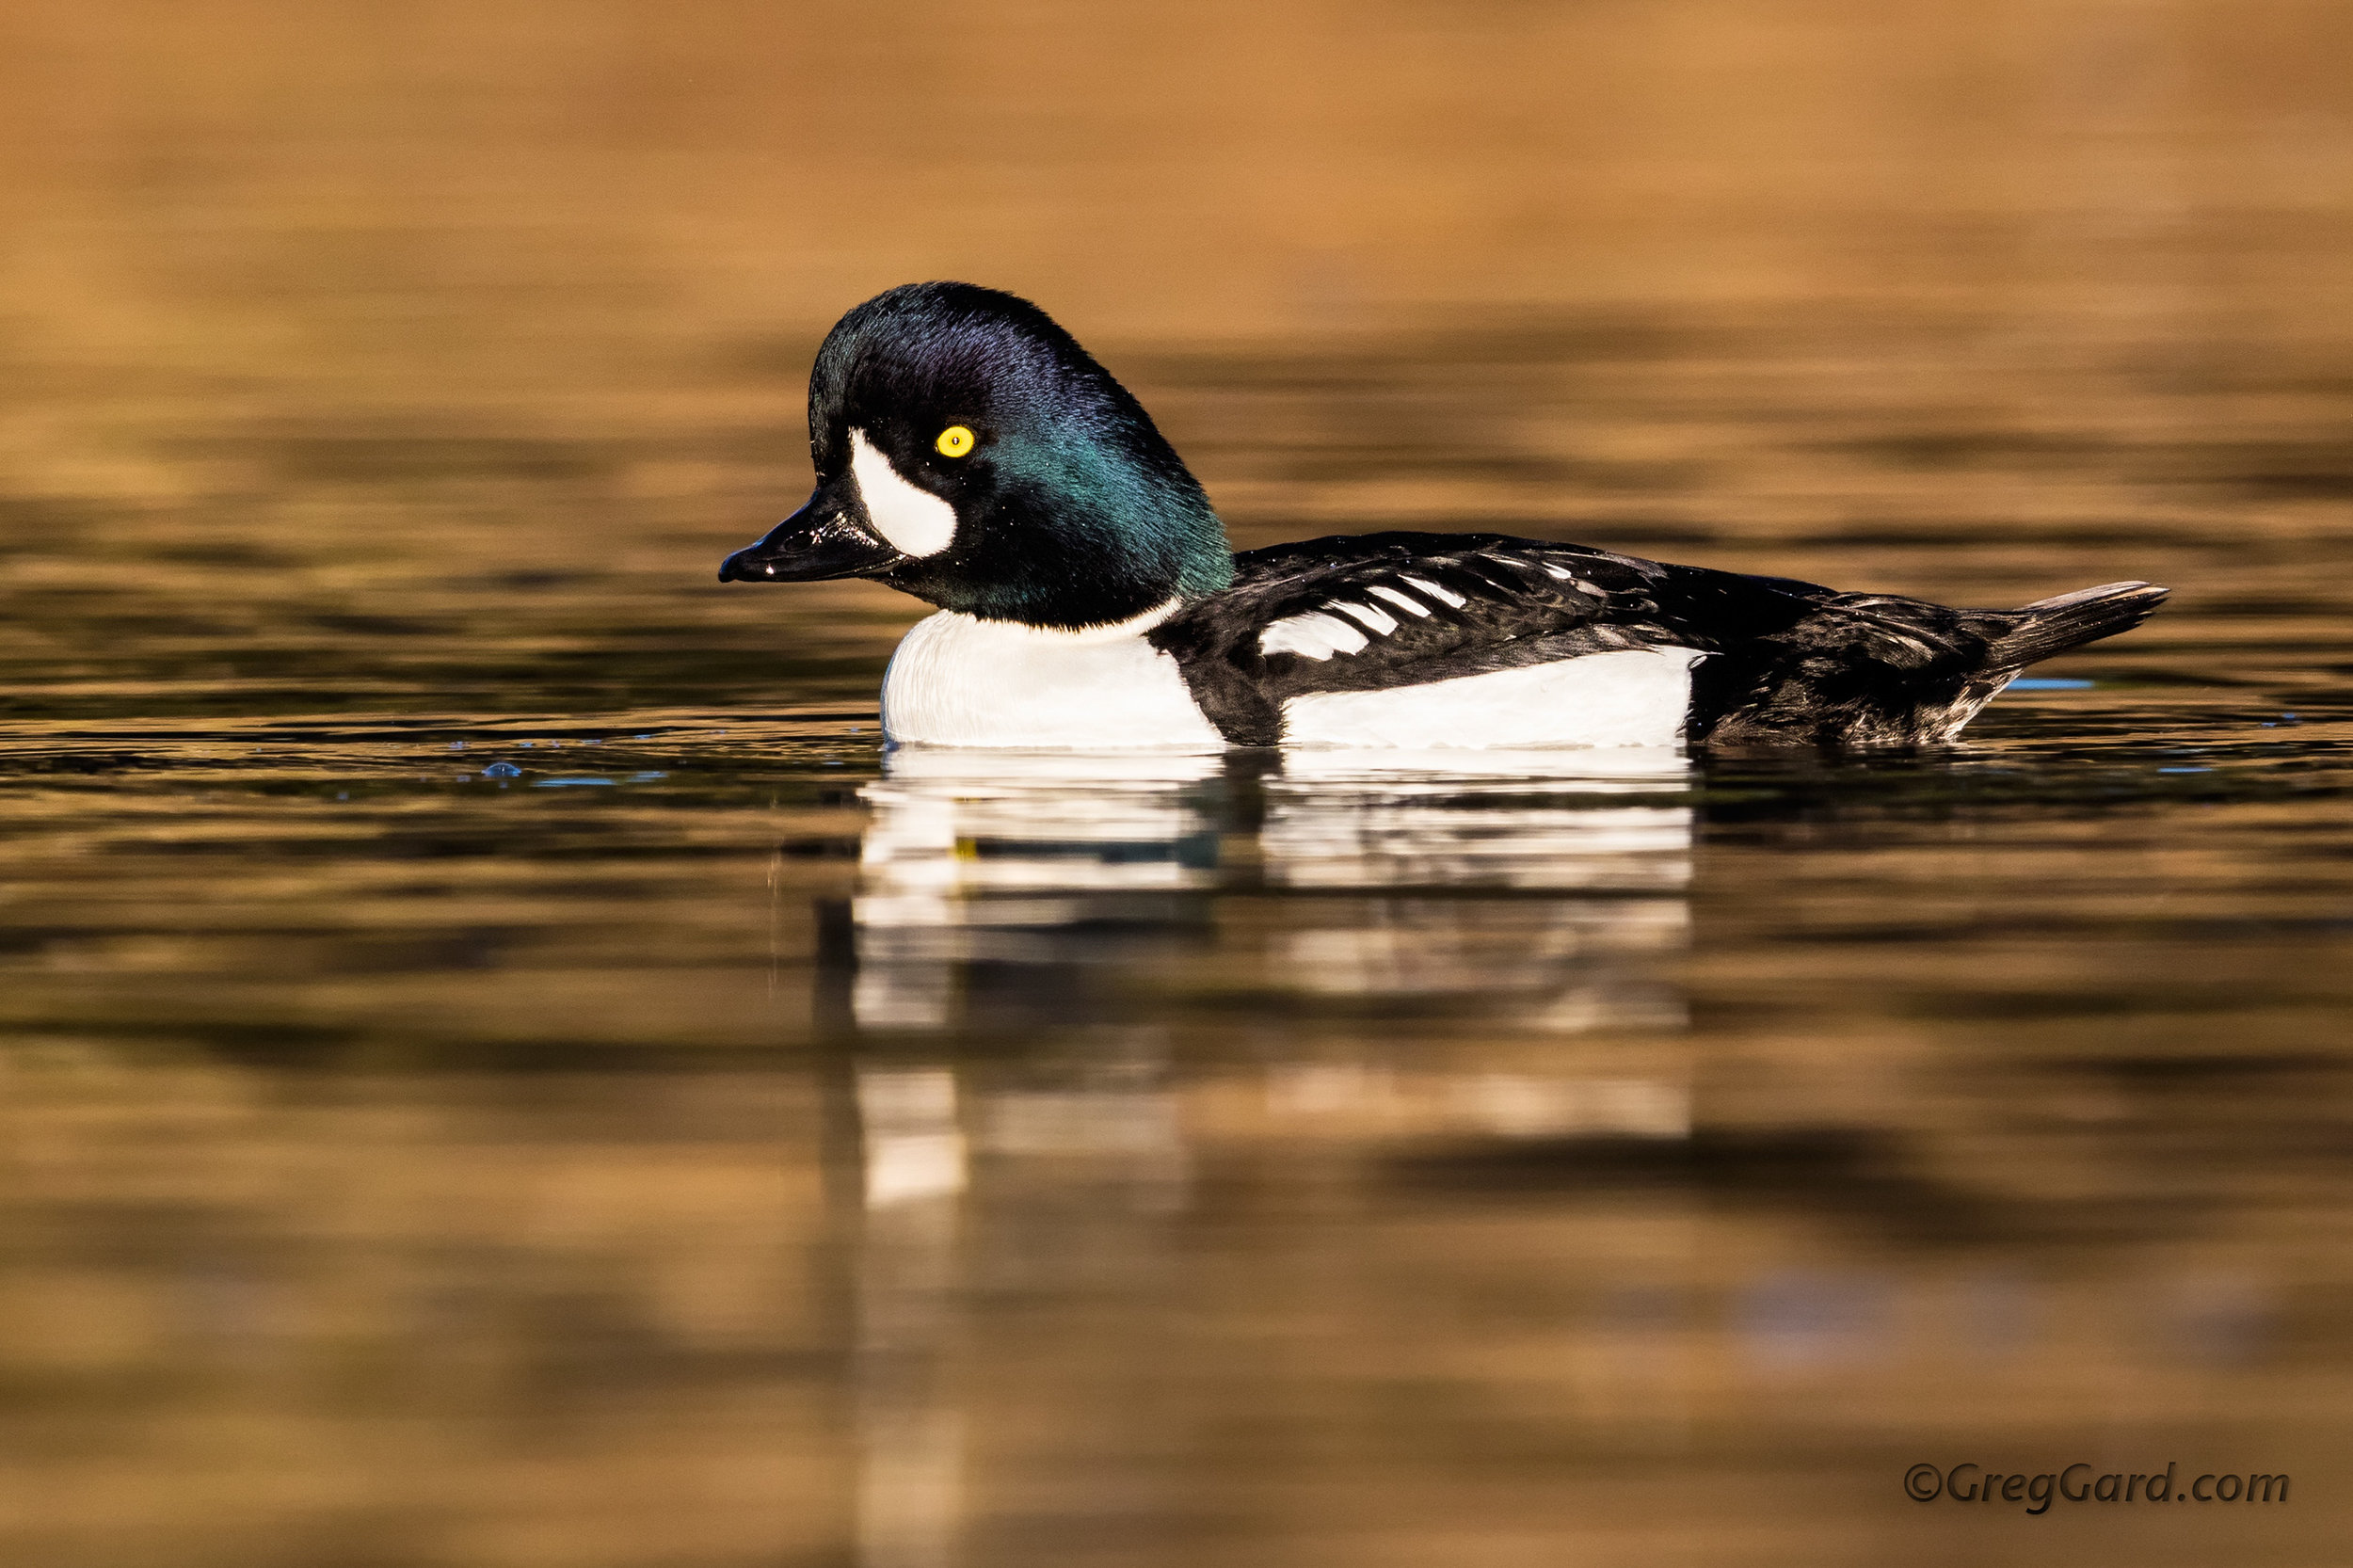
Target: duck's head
<point>968,452</point>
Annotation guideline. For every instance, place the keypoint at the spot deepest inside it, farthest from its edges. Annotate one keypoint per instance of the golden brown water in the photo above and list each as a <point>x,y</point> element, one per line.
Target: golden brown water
<point>713,1143</point>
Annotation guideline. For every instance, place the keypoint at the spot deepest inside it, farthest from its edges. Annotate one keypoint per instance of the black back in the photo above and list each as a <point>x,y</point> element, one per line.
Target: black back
<point>1784,660</point>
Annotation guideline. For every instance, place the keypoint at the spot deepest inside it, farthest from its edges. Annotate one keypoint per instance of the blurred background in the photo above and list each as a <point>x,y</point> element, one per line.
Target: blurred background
<point>497,1067</point>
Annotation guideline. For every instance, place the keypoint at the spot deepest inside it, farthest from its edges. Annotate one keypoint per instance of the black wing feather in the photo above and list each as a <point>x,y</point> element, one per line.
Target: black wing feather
<point>1785,660</point>
<point>1505,602</point>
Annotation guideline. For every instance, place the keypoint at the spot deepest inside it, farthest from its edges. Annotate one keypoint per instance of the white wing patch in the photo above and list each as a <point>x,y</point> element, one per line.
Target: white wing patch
<point>1403,602</point>
<point>916,523</point>
<point>1322,632</point>
<point>1379,622</point>
<point>1449,595</point>
<point>1313,635</point>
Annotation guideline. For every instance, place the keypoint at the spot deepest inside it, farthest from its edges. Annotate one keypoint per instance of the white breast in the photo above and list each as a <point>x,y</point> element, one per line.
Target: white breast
<point>962,681</point>
<point>1633,697</point>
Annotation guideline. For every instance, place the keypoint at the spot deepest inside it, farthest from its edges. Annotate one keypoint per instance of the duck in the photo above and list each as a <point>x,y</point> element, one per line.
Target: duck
<point>970,452</point>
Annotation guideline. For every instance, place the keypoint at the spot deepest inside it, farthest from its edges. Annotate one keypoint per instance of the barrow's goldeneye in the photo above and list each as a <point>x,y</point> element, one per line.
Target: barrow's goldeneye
<point>968,452</point>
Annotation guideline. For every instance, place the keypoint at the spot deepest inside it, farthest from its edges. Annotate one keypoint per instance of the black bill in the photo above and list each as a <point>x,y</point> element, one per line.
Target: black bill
<point>815,543</point>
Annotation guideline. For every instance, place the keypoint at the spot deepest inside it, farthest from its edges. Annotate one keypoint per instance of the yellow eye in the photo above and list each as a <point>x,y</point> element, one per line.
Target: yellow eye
<point>954,441</point>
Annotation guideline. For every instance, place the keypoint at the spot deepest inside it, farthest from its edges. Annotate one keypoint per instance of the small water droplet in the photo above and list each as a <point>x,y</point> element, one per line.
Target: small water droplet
<point>501,770</point>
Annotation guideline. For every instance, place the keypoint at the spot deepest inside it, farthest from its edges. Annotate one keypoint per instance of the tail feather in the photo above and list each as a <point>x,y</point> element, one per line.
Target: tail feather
<point>1878,669</point>
<point>2051,626</point>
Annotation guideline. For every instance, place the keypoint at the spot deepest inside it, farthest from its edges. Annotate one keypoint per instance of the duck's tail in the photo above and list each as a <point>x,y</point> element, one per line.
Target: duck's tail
<point>1877,668</point>
<point>2051,626</point>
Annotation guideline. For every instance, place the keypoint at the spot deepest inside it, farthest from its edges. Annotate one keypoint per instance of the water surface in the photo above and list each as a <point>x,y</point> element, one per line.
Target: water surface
<point>499,1067</point>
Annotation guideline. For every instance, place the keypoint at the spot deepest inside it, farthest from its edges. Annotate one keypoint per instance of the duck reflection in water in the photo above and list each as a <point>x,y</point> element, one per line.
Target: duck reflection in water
<point>1054,960</point>
<point>1012,893</point>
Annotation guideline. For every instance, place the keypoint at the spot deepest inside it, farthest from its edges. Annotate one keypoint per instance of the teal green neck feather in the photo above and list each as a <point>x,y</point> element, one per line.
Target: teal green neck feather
<point>1154,512</point>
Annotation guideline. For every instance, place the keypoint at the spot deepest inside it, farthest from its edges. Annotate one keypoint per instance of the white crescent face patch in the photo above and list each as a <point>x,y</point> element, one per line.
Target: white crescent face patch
<point>913,521</point>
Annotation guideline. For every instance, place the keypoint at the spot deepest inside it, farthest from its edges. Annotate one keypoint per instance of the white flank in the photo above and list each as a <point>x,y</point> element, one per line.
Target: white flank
<point>915,521</point>
<point>1435,591</point>
<point>957,681</point>
<point>1313,635</point>
<point>1631,697</point>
